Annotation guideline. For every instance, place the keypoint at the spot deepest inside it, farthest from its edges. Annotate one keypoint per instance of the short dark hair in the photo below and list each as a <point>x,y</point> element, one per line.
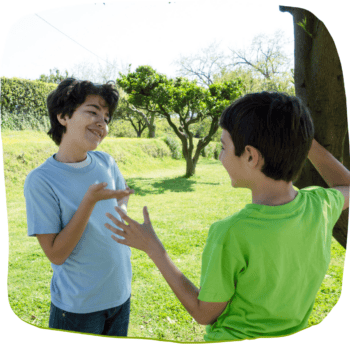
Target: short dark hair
<point>278,125</point>
<point>69,95</point>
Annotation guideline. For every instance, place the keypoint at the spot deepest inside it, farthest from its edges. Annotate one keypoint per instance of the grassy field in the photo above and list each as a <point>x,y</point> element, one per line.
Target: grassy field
<point>181,211</point>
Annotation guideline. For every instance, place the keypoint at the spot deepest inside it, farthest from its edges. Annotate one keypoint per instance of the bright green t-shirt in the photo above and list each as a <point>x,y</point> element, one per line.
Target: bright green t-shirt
<point>269,263</point>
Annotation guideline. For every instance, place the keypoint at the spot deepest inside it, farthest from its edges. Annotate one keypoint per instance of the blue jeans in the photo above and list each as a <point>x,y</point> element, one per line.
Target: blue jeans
<point>114,321</point>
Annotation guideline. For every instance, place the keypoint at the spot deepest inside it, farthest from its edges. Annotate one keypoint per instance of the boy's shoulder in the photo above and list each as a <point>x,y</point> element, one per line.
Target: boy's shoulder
<point>40,170</point>
<point>329,194</point>
<point>220,229</point>
<point>41,174</point>
<point>102,156</point>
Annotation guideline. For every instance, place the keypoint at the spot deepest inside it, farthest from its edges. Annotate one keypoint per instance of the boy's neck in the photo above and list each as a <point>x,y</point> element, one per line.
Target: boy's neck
<point>70,154</point>
<point>273,193</point>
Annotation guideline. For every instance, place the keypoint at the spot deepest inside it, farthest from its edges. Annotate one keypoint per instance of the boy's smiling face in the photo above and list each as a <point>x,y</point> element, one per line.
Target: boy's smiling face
<point>87,127</point>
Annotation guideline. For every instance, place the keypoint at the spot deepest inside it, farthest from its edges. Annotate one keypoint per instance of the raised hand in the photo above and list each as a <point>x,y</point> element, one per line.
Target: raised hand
<point>123,203</point>
<point>98,192</point>
<point>139,236</point>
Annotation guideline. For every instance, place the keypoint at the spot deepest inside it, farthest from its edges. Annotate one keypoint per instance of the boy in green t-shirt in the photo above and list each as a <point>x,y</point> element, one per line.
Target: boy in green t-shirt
<point>262,266</point>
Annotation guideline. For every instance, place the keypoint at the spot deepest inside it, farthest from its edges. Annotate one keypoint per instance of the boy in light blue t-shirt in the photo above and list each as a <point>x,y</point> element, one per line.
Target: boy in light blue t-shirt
<point>66,200</point>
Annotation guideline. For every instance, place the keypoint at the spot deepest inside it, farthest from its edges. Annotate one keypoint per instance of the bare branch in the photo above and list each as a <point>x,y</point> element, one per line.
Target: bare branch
<point>204,65</point>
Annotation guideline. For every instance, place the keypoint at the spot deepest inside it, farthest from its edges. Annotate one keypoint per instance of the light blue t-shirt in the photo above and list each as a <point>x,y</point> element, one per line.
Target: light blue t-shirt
<point>97,274</point>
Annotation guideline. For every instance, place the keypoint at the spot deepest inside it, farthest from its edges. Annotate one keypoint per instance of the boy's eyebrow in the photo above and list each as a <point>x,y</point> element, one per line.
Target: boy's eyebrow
<point>96,106</point>
<point>222,141</point>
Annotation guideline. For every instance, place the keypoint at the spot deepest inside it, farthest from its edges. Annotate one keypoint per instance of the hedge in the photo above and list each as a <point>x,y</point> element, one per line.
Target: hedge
<point>22,96</point>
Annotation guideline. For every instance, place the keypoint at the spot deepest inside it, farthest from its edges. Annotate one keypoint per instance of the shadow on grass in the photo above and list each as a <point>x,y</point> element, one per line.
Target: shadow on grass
<point>144,186</point>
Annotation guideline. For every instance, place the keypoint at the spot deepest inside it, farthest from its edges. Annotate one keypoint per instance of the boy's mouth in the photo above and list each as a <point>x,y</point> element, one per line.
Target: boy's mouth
<point>96,133</point>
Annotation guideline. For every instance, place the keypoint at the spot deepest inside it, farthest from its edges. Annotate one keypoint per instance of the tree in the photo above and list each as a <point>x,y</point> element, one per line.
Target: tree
<point>96,72</point>
<point>267,61</point>
<point>182,99</point>
<point>55,76</point>
<point>264,66</point>
<point>204,65</point>
<point>125,113</point>
<point>253,83</point>
<point>140,120</point>
<point>320,85</point>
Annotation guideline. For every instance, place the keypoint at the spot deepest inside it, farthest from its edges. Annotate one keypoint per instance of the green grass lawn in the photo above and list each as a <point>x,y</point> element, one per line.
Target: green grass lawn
<point>181,211</point>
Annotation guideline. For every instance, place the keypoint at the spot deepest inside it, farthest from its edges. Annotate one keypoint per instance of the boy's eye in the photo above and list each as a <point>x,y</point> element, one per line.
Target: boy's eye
<point>222,147</point>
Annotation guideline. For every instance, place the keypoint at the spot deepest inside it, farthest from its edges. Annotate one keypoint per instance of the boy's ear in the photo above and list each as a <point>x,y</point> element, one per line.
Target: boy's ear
<point>253,157</point>
<point>62,120</point>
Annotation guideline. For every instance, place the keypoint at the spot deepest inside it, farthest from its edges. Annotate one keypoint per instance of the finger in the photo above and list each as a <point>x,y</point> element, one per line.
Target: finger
<point>119,194</point>
<point>124,216</point>
<point>101,185</point>
<point>121,241</point>
<point>116,221</point>
<point>146,215</point>
<point>115,230</point>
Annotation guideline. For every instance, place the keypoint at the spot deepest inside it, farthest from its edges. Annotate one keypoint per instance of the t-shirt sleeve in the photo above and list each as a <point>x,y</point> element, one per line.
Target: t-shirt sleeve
<point>221,265</point>
<point>332,202</point>
<point>119,178</point>
<point>42,206</point>
<point>336,201</point>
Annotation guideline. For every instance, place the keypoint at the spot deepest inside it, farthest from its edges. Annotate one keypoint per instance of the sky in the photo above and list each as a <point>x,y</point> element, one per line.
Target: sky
<point>154,33</point>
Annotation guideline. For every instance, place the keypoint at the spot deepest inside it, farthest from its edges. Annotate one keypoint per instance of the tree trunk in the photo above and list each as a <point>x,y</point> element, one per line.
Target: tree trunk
<point>151,131</point>
<point>320,85</point>
<point>190,167</point>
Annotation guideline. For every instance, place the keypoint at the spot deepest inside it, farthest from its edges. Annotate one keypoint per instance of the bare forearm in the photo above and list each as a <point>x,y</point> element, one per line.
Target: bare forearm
<point>69,237</point>
<point>332,171</point>
<point>183,288</point>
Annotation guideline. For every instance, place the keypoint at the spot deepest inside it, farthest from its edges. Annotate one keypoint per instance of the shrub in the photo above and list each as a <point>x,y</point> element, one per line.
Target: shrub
<point>24,121</point>
<point>210,151</point>
<point>155,151</point>
<point>24,96</point>
<point>217,150</point>
<point>175,146</point>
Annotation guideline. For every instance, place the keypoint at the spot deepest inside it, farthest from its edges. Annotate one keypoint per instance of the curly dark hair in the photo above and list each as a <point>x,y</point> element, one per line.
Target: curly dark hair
<point>278,125</point>
<point>69,95</point>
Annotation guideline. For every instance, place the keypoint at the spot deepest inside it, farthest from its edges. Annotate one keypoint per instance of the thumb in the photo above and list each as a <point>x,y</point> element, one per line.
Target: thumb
<point>146,215</point>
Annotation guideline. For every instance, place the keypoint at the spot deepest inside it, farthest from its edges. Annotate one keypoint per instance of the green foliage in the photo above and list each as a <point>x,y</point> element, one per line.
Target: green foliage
<point>212,150</point>
<point>182,100</point>
<point>254,82</point>
<point>24,121</point>
<point>54,77</point>
<point>175,146</point>
<point>217,150</point>
<point>208,150</point>
<point>24,96</point>
<point>153,91</point>
<point>155,151</point>
<point>302,24</point>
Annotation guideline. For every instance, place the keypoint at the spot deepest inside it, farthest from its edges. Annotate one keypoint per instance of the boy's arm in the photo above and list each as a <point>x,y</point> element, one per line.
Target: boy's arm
<point>332,171</point>
<point>144,238</point>
<point>58,247</point>
<point>187,293</point>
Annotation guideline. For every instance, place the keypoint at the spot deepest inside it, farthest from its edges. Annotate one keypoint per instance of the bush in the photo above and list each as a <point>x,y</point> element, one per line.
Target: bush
<point>24,121</point>
<point>121,128</point>
<point>212,150</point>
<point>155,151</point>
<point>175,146</point>
<point>24,96</point>
<point>217,150</point>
